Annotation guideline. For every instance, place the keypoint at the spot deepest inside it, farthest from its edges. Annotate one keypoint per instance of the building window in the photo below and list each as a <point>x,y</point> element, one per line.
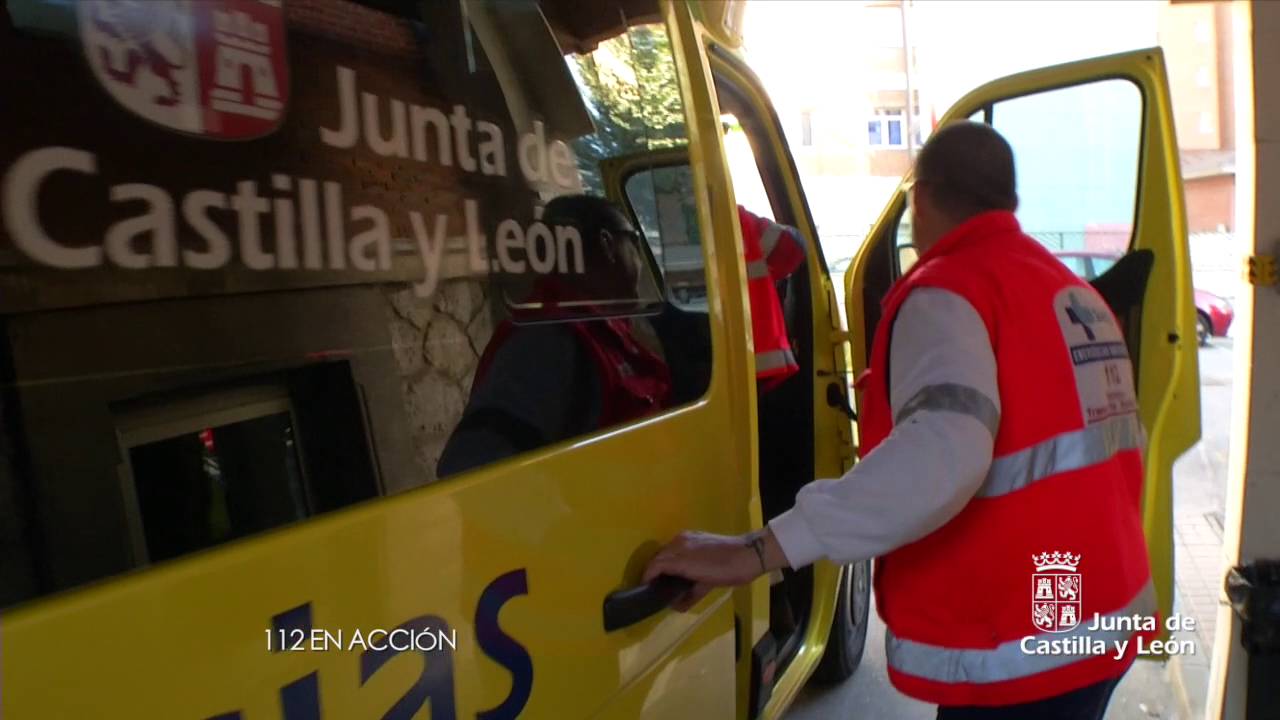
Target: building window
<point>1202,76</point>
<point>888,129</point>
<point>1206,123</point>
<point>806,128</point>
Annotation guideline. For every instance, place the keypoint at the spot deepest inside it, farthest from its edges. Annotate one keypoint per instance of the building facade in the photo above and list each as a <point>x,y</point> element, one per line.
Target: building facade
<point>1197,38</point>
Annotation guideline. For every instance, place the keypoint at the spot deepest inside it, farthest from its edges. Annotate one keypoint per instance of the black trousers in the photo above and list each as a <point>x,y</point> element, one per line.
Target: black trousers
<point>1087,703</point>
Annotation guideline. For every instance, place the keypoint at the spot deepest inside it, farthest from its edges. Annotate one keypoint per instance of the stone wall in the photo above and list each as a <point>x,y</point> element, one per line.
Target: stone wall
<point>437,343</point>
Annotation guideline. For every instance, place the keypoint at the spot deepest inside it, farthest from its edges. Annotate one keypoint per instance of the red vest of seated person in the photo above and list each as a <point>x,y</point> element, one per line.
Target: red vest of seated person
<point>576,354</point>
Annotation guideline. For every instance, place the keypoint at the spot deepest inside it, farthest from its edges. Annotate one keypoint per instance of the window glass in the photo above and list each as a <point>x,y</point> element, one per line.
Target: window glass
<point>1076,154</point>
<point>376,254</point>
<point>202,486</point>
<point>663,201</point>
<point>895,131</point>
<point>1077,263</point>
<point>888,129</point>
<point>1102,263</point>
<point>1076,158</point>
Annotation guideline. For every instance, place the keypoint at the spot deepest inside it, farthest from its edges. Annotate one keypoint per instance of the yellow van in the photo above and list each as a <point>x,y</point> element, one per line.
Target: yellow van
<point>307,361</point>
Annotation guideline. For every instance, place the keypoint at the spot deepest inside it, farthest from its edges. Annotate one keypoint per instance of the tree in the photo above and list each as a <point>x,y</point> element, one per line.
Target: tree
<point>629,87</point>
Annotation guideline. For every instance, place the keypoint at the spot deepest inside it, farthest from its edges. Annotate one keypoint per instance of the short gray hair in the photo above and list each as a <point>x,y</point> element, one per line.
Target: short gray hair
<point>968,168</point>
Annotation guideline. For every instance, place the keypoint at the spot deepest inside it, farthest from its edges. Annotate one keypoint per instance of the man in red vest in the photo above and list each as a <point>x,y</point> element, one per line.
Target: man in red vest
<point>1002,475</point>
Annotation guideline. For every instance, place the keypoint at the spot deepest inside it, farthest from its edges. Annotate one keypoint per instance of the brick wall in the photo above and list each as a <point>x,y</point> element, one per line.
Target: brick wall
<point>353,24</point>
<point>1211,203</point>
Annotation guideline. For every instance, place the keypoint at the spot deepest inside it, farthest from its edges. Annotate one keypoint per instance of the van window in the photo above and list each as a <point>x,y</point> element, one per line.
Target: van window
<point>1101,264</point>
<point>1078,264</point>
<point>1076,151</point>
<point>1076,155</point>
<point>207,477</point>
<point>663,202</point>
<point>312,254</point>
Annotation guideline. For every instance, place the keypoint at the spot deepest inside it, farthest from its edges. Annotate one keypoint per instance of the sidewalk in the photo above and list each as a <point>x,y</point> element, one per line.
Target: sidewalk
<point>1200,481</point>
<point>1199,571</point>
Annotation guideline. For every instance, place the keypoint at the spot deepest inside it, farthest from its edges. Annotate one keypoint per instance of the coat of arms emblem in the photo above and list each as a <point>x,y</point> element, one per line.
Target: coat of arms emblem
<point>215,68</point>
<point>1055,591</point>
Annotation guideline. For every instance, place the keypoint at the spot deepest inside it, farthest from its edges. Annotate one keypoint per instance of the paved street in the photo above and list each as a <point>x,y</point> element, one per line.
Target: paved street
<point>1146,693</point>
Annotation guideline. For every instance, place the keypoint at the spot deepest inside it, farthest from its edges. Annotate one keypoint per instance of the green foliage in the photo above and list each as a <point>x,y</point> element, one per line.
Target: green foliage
<point>629,86</point>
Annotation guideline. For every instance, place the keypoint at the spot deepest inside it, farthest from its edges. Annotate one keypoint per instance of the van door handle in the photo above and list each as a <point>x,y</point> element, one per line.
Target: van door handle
<point>839,400</point>
<point>628,607</point>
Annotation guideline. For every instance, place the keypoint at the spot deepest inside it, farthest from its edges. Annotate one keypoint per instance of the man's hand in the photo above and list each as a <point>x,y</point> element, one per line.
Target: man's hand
<point>712,561</point>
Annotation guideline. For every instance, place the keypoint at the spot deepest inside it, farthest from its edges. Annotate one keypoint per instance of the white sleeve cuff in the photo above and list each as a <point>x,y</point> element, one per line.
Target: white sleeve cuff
<point>798,541</point>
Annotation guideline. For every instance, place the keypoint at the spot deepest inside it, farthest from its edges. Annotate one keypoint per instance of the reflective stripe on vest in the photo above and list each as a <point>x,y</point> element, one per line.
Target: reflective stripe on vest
<point>757,269</point>
<point>769,239</point>
<point>1008,660</point>
<point>1069,451</point>
<point>774,359</point>
<point>952,397</point>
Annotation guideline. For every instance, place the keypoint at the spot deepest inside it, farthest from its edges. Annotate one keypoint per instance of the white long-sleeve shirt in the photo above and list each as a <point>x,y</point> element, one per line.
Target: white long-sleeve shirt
<point>946,406</point>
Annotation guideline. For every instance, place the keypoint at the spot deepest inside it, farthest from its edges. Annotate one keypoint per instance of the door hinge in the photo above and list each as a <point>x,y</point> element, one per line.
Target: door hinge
<point>1261,271</point>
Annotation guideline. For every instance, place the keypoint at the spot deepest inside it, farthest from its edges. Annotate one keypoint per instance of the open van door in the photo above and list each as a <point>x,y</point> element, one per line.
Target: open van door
<point>1097,167</point>
<point>805,634</point>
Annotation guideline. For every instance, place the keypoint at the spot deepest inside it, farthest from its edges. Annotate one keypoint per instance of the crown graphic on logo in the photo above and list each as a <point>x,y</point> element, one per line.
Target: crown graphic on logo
<point>1055,561</point>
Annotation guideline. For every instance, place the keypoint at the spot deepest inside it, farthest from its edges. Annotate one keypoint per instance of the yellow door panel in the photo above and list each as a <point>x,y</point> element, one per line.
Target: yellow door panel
<point>683,687</point>
<point>504,571</point>
<point>1164,343</point>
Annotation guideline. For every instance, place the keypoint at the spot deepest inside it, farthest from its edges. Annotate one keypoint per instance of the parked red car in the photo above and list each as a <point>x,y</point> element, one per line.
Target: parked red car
<point>1213,316</point>
<point>1213,313</point>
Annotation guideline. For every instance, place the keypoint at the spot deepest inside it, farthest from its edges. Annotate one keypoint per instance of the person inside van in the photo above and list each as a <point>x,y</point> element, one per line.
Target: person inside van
<point>772,253</point>
<point>542,379</point>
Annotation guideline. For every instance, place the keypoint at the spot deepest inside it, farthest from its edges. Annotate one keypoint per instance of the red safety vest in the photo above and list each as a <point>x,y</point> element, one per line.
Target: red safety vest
<point>772,252</point>
<point>1066,478</point>
<point>634,382</point>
